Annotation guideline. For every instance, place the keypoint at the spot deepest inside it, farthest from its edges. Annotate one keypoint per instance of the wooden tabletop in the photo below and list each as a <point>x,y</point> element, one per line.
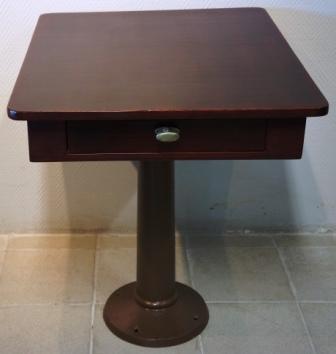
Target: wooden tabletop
<point>218,63</point>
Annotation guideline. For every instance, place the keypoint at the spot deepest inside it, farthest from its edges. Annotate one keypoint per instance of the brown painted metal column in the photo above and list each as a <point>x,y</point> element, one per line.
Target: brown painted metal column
<point>156,234</point>
<point>156,311</point>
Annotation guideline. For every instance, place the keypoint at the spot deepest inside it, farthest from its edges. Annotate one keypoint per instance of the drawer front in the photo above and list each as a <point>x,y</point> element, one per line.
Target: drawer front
<point>195,136</point>
<point>136,140</point>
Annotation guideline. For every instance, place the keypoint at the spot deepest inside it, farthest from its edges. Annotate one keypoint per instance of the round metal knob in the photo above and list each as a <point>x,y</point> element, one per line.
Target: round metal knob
<point>167,134</point>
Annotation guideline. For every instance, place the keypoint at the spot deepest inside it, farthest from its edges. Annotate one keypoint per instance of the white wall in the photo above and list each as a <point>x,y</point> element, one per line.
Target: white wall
<point>212,195</point>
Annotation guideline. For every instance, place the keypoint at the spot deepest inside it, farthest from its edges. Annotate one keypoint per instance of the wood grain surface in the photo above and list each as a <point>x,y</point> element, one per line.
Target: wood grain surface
<point>192,64</point>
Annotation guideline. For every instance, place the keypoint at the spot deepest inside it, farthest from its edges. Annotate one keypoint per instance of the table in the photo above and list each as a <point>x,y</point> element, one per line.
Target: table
<point>159,86</point>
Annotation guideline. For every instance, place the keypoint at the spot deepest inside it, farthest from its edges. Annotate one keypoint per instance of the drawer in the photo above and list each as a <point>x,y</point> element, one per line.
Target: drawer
<point>87,137</point>
<point>88,140</point>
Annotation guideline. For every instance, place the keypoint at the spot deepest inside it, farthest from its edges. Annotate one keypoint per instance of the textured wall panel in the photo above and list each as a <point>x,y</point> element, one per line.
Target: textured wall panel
<point>278,195</point>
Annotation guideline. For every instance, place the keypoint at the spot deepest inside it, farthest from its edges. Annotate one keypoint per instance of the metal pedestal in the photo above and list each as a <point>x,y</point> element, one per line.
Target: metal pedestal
<point>156,311</point>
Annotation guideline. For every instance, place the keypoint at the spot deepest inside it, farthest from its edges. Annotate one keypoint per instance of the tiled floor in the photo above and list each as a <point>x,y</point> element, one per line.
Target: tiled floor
<point>265,294</point>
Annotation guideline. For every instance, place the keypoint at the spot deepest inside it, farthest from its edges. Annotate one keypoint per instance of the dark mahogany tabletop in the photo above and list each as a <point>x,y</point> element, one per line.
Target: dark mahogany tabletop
<point>222,62</point>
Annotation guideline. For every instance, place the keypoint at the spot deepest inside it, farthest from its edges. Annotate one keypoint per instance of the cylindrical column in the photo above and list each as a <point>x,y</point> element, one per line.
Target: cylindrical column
<point>155,287</point>
<point>156,311</point>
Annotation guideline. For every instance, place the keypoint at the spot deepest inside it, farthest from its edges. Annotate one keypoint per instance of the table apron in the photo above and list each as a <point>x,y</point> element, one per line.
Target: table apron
<point>135,140</point>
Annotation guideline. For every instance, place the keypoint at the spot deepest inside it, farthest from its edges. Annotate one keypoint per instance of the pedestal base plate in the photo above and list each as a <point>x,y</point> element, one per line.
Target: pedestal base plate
<point>172,325</point>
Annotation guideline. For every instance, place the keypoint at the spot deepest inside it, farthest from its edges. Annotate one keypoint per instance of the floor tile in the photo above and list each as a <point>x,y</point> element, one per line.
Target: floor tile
<point>305,240</point>
<point>238,273</point>
<point>229,241</point>
<point>107,241</point>
<point>117,267</point>
<point>313,272</point>
<point>320,319</point>
<point>61,329</point>
<point>47,276</point>
<point>106,342</point>
<point>113,241</point>
<point>52,242</point>
<point>255,329</point>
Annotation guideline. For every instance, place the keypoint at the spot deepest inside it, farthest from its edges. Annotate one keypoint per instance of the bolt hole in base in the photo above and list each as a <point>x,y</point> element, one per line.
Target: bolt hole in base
<point>176,324</point>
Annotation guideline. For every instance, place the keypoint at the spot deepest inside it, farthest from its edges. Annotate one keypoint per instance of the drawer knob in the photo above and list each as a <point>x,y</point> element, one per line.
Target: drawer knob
<point>167,134</point>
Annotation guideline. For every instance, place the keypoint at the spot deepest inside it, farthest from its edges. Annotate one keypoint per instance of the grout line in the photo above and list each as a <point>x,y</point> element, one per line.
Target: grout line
<point>200,343</point>
<point>42,249</point>
<point>286,270</point>
<point>193,233</point>
<point>307,246</point>
<point>207,302</point>
<point>253,233</point>
<point>306,328</point>
<point>291,283</point>
<point>250,302</point>
<point>100,304</point>
<point>42,304</point>
<point>316,302</point>
<point>191,277</point>
<point>232,246</point>
<point>94,295</point>
<point>189,267</point>
<point>214,302</point>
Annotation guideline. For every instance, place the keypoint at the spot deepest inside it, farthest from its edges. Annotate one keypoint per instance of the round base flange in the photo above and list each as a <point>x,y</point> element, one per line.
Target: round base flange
<point>178,323</point>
